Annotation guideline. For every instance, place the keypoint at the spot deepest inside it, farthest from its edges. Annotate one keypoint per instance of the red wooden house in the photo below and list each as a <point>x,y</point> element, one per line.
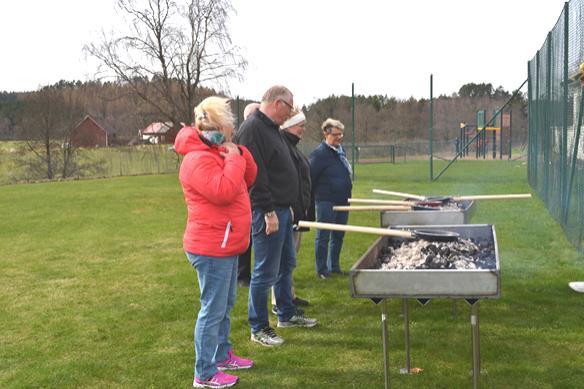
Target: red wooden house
<point>89,133</point>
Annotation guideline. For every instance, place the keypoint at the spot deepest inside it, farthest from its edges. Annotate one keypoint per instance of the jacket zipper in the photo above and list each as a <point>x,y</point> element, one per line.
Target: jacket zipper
<point>226,235</point>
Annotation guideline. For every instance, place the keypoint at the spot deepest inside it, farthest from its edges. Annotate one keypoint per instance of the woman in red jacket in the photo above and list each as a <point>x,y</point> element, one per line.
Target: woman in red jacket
<point>215,175</point>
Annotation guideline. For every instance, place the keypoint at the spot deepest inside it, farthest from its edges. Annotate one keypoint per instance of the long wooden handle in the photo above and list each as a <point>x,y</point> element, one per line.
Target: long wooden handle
<point>494,197</point>
<point>371,208</point>
<point>401,194</point>
<point>380,202</point>
<point>350,228</point>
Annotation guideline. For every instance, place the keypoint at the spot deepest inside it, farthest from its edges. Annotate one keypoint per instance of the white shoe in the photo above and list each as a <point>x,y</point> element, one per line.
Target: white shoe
<point>267,337</point>
<point>577,286</point>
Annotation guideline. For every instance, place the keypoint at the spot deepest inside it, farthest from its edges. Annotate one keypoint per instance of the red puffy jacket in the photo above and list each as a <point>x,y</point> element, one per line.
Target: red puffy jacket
<point>216,193</point>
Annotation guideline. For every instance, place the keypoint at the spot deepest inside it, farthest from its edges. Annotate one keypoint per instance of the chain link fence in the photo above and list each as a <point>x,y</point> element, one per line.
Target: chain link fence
<point>556,107</point>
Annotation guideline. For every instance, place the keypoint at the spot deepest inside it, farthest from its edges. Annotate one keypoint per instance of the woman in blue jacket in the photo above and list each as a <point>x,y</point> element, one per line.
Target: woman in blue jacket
<point>330,173</point>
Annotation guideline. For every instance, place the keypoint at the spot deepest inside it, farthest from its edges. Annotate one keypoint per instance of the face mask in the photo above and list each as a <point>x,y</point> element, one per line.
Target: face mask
<point>214,137</point>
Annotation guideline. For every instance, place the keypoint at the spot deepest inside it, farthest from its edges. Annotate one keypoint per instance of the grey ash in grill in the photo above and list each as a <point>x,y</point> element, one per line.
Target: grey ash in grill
<point>451,206</point>
<point>421,254</point>
<point>442,204</point>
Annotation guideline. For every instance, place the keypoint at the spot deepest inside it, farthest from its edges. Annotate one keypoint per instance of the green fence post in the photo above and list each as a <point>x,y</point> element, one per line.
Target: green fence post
<point>485,143</point>
<point>501,135</point>
<point>431,128</point>
<point>564,144</point>
<point>547,121</point>
<point>511,127</point>
<point>537,118</point>
<point>494,148</point>
<point>529,126</point>
<point>353,125</point>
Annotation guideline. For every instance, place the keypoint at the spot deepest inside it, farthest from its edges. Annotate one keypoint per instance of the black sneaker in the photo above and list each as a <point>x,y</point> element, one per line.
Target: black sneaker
<point>300,302</point>
<point>298,320</point>
<point>275,310</point>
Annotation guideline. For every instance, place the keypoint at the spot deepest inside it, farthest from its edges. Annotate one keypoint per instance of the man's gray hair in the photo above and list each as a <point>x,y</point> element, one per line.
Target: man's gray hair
<point>276,92</point>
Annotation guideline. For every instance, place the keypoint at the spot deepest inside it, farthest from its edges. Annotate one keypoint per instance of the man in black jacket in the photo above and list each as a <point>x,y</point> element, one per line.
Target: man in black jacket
<point>273,195</point>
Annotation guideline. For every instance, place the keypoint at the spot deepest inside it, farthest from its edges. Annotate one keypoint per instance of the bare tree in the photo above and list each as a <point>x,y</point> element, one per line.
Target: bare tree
<point>48,117</point>
<point>172,49</point>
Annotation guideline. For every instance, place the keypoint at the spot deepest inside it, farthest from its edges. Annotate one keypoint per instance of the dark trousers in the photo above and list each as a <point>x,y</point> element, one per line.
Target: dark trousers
<point>244,265</point>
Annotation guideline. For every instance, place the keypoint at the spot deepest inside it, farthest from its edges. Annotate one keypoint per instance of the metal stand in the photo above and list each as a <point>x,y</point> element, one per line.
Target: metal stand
<point>406,309</point>
<point>476,347</point>
<point>385,341</point>
<point>476,350</point>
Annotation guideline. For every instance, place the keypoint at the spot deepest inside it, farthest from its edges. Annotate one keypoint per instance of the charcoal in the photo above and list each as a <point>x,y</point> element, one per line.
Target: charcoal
<point>429,259</point>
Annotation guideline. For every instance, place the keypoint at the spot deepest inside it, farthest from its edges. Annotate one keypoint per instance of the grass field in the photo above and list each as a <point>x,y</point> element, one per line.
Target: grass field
<point>95,292</point>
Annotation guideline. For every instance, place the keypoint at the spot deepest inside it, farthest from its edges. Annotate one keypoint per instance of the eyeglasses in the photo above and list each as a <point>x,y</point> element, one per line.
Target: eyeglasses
<point>287,104</point>
<point>337,135</point>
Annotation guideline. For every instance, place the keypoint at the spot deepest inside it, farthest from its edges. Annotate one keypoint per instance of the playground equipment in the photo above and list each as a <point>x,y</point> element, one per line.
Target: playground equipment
<point>465,145</point>
<point>488,136</point>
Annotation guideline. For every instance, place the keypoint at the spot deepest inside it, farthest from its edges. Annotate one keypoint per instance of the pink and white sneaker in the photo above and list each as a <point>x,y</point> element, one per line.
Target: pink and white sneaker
<point>219,380</point>
<point>233,362</point>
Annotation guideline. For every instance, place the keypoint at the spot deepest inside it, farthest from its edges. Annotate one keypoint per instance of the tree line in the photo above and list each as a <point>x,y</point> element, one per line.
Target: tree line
<point>169,55</point>
<point>378,119</point>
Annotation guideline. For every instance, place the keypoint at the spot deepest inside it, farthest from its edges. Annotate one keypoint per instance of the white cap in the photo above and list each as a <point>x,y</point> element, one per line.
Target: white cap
<point>294,120</point>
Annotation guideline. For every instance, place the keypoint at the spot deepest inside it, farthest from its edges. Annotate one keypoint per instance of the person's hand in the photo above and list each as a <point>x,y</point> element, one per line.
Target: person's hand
<point>272,223</point>
<point>230,149</point>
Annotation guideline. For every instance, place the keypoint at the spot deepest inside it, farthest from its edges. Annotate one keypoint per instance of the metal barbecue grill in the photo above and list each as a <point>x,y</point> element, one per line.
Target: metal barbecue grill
<point>367,280</point>
<point>459,215</point>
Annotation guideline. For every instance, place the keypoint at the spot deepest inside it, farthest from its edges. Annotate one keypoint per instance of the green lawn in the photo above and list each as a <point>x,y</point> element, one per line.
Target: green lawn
<point>96,292</point>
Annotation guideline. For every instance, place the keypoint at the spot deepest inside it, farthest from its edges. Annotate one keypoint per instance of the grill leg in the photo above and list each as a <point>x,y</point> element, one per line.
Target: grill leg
<point>476,347</point>
<point>385,341</point>
<point>406,310</point>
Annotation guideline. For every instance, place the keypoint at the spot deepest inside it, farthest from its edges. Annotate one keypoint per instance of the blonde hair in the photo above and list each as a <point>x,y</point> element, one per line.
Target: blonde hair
<point>214,113</point>
<point>329,124</point>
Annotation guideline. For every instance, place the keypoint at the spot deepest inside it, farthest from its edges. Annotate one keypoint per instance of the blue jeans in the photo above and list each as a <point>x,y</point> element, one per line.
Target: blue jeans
<point>274,261</point>
<point>328,244</point>
<point>218,284</point>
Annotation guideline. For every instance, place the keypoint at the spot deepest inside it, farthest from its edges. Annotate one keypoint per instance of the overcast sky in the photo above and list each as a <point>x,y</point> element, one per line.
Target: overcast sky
<point>315,47</point>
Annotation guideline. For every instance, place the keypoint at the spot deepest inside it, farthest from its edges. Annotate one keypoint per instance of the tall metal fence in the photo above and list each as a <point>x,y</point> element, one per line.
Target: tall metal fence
<point>19,165</point>
<point>556,108</point>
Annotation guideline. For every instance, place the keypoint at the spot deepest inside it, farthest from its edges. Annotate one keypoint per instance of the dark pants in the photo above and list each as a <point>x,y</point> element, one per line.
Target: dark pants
<point>328,244</point>
<point>244,265</point>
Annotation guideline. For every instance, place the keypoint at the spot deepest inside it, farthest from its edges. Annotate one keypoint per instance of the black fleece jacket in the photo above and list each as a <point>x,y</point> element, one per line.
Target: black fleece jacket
<point>276,184</point>
<point>302,204</point>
